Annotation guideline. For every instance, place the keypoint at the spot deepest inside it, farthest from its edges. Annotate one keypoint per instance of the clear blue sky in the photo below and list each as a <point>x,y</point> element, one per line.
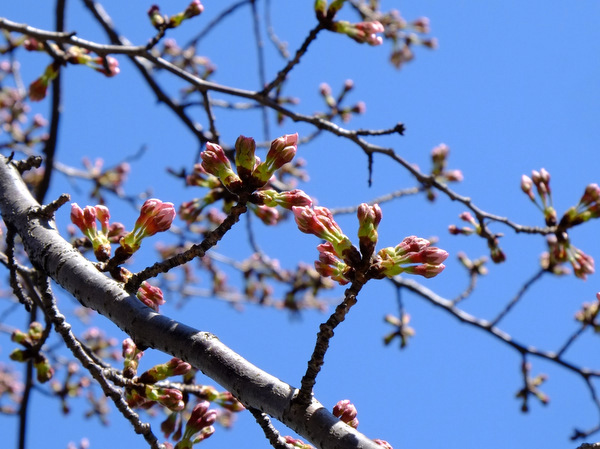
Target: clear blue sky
<point>513,87</point>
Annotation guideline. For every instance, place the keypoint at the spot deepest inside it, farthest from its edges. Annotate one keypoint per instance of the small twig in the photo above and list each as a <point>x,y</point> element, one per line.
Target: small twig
<point>312,35</point>
<point>323,337</point>
<point>536,277</point>
<point>379,200</point>
<point>198,250</point>
<point>272,434</point>
<point>64,330</point>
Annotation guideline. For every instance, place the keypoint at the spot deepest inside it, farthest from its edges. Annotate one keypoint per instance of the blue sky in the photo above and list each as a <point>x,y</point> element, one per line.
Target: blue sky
<point>513,87</point>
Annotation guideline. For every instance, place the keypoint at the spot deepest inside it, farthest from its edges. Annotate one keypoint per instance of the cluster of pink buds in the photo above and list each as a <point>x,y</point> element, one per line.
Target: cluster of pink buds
<point>131,358</point>
<point>587,208</point>
<point>589,313</point>
<point>159,21</point>
<point>251,178</point>
<point>329,264</point>
<point>439,159</point>
<point>338,257</point>
<point>368,221</point>
<point>335,104</point>
<point>541,180</point>
<point>319,221</point>
<point>199,426</point>
<point>38,88</point>
<point>562,251</point>
<point>174,367</point>
<point>346,411</point>
<point>413,255</point>
<point>31,342</point>
<point>155,216</point>
<point>85,220</point>
<point>107,65</point>
<point>287,199</point>
<point>150,295</point>
<point>496,253</point>
<point>361,32</point>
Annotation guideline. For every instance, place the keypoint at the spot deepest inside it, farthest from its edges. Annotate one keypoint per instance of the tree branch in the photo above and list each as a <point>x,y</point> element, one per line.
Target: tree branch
<point>255,388</point>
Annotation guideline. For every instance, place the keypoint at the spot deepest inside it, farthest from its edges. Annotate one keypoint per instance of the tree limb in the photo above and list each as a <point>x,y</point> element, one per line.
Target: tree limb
<point>255,388</point>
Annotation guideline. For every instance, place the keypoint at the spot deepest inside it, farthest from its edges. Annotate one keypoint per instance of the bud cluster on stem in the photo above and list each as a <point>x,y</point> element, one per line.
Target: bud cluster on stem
<point>155,216</point>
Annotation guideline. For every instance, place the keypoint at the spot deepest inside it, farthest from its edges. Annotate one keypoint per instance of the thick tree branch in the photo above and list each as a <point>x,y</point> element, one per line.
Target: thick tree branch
<point>255,388</point>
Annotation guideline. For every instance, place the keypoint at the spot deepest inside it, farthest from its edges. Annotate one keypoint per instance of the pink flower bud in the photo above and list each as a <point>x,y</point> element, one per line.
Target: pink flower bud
<point>319,221</point>
<point>155,216</point>
<point>150,295</point>
<point>282,151</point>
<point>215,162</point>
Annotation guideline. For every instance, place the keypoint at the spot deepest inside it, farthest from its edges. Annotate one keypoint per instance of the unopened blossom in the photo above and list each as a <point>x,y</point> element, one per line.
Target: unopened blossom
<point>215,162</point>
<point>132,356</point>
<point>282,151</point>
<point>287,199</point>
<point>527,187</point>
<point>413,255</point>
<point>37,89</point>
<point>362,32</point>
<point>150,295</point>
<point>199,425</point>
<point>383,443</point>
<point>156,18</point>
<point>587,208</point>
<point>330,266</point>
<point>346,411</point>
<point>319,221</point>
<point>194,9</point>
<point>268,215</point>
<point>245,157</point>
<point>108,67</point>
<point>369,218</point>
<point>85,220</point>
<point>173,367</point>
<point>421,25</point>
<point>155,216</point>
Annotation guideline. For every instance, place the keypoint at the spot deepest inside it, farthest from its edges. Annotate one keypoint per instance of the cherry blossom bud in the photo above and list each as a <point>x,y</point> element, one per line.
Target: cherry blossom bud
<point>109,68</point>
<point>346,411</point>
<point>412,250</point>
<point>383,443</point>
<point>215,162</point>
<point>287,199</point>
<point>195,8</point>
<point>85,220</point>
<point>268,215</point>
<point>282,151</point>
<point>421,25</point>
<point>156,18</point>
<point>319,221</point>
<point>132,356</point>
<point>37,89</point>
<point>245,159</point>
<point>44,370</point>
<point>150,295</point>
<point>321,8</point>
<point>330,266</point>
<point>173,367</point>
<point>155,216</point>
